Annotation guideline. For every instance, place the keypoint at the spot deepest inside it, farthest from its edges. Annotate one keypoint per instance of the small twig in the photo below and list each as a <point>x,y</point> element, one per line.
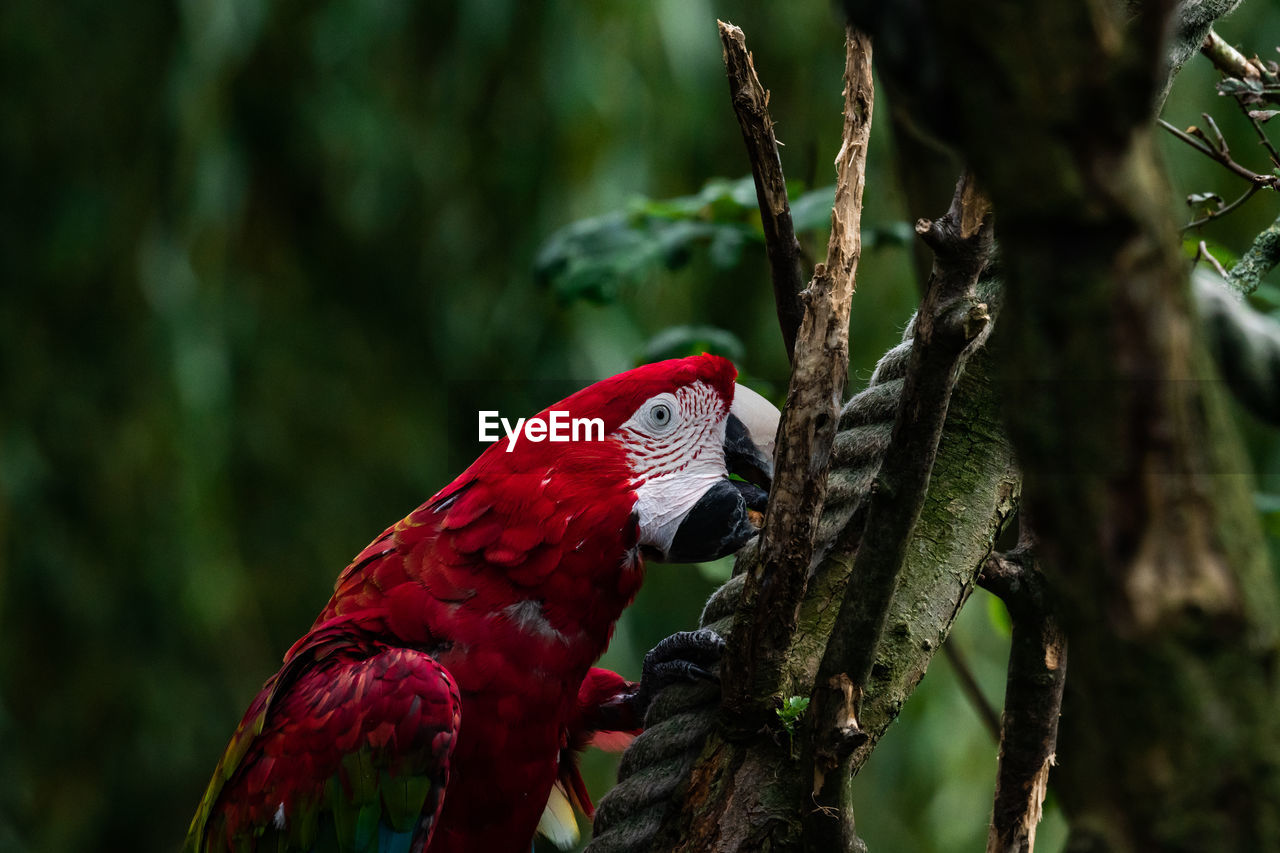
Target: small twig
<point>1219,141</point>
<point>1263,139</point>
<point>949,319</point>
<point>972,689</point>
<point>751,105</point>
<point>1221,156</point>
<point>1219,153</point>
<point>1224,210</point>
<point>774,587</point>
<point>1202,251</point>
<point>1033,697</point>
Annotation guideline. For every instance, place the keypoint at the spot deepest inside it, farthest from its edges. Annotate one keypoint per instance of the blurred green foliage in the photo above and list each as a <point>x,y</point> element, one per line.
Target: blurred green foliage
<point>263,262</point>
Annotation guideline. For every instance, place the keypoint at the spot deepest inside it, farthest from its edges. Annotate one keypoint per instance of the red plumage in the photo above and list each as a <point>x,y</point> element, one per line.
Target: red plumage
<point>454,658</point>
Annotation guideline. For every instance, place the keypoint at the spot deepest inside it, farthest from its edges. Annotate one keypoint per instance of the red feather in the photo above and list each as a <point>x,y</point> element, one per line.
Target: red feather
<point>453,661</point>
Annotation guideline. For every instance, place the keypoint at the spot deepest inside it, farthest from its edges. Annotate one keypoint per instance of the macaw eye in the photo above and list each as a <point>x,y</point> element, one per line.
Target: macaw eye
<point>660,416</point>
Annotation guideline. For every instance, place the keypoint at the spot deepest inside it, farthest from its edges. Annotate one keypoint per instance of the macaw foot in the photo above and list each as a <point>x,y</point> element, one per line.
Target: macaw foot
<point>682,657</point>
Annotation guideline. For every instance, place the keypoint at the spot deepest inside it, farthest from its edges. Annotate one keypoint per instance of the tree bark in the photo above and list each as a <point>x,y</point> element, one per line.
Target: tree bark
<point>949,320</point>
<point>774,587</point>
<point>751,106</point>
<point>1032,697</point>
<point>1170,735</point>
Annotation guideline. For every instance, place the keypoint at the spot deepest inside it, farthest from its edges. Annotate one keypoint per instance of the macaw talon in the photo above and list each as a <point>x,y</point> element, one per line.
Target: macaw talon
<point>683,657</point>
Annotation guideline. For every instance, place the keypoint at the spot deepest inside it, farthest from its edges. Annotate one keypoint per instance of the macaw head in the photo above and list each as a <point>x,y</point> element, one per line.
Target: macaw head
<point>697,449</point>
<point>641,464</point>
<point>548,530</point>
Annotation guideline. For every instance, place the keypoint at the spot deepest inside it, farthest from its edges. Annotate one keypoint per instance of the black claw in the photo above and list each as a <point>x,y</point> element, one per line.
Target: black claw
<point>684,656</point>
<point>701,648</point>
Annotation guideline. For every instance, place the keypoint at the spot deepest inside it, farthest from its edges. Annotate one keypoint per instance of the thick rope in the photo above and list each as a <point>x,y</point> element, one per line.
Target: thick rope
<point>659,761</point>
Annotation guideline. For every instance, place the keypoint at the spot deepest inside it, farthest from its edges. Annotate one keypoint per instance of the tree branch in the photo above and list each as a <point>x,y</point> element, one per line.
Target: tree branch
<point>748,794</point>
<point>950,318</point>
<point>1265,141</point>
<point>1033,698</point>
<point>1233,63</point>
<point>1260,259</point>
<point>1224,210</point>
<point>773,589</point>
<point>751,106</point>
<point>1222,156</point>
<point>972,690</point>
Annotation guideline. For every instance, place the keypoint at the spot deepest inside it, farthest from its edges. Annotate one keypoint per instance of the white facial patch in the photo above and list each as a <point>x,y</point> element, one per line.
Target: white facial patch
<point>675,444</point>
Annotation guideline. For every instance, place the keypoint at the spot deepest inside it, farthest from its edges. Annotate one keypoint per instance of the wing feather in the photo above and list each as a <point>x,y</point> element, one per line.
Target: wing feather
<point>346,748</point>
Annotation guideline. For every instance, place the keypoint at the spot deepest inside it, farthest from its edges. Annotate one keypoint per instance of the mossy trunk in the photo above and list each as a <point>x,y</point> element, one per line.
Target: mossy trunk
<point>744,791</point>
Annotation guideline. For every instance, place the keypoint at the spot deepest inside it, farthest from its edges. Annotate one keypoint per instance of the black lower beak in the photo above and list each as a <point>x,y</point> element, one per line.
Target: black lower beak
<point>718,524</point>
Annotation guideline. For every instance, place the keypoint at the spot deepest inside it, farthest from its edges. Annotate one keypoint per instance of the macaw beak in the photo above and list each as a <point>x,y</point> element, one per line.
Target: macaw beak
<point>729,513</point>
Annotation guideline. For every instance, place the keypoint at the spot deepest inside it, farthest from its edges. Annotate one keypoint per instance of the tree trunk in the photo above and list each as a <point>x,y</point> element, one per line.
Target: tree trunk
<point>1170,738</point>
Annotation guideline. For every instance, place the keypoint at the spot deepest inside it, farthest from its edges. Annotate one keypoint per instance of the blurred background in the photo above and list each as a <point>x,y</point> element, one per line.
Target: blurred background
<point>263,262</point>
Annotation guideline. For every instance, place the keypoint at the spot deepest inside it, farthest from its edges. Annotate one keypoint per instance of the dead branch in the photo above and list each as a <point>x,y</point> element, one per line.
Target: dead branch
<point>949,319</point>
<point>1220,154</point>
<point>1033,698</point>
<point>766,616</point>
<point>751,106</point>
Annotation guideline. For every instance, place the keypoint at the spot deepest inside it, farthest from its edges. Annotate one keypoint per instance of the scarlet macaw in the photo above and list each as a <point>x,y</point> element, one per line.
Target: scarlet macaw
<point>438,697</point>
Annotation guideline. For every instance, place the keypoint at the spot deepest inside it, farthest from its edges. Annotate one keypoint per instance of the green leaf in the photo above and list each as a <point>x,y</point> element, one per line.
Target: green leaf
<point>1197,199</point>
<point>678,341</point>
<point>999,616</point>
<point>812,211</point>
<point>792,711</point>
<point>1239,86</point>
<point>592,258</point>
<point>595,258</point>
